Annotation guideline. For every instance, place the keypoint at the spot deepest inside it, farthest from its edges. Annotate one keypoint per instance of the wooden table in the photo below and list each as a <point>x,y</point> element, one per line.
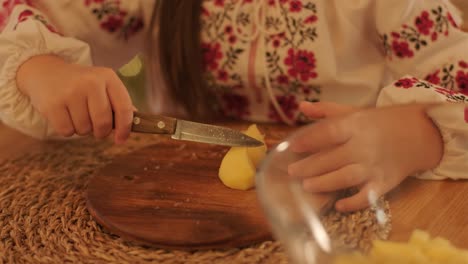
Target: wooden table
<point>440,207</point>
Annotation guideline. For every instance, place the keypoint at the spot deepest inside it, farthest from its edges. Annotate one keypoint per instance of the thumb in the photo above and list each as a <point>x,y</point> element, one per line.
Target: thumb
<point>324,109</point>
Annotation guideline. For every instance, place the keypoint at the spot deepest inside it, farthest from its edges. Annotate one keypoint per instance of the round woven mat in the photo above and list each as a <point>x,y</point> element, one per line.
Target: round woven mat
<point>43,215</point>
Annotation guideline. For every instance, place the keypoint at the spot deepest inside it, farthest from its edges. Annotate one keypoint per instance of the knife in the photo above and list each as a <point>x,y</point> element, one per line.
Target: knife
<point>191,131</point>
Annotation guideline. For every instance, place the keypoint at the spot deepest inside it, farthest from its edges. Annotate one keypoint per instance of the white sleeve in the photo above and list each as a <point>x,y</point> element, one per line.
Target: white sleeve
<point>425,48</point>
<point>450,115</point>
<point>26,34</point>
<point>102,33</point>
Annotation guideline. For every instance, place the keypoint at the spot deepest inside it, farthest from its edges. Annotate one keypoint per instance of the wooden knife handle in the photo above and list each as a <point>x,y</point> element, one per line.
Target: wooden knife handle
<point>153,124</point>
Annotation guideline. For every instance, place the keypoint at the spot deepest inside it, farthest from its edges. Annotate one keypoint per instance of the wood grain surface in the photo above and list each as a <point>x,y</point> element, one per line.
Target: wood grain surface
<point>169,195</point>
<point>439,207</point>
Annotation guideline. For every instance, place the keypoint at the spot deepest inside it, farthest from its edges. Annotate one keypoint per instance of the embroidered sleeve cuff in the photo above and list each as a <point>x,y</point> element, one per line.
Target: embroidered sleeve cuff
<point>28,39</point>
<point>450,116</point>
<point>412,90</point>
<point>452,120</point>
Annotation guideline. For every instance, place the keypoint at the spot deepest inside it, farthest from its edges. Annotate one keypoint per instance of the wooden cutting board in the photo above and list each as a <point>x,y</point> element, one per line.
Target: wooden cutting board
<point>169,195</point>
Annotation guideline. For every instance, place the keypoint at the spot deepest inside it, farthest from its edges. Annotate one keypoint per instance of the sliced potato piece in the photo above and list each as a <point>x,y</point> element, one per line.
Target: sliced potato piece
<point>238,167</point>
<point>237,170</point>
<point>419,238</point>
<point>394,252</point>
<point>258,153</point>
<point>420,249</point>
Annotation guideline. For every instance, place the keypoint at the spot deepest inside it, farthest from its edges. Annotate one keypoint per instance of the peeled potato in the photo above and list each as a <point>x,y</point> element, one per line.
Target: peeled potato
<point>420,238</point>
<point>238,167</point>
<point>393,252</point>
<point>420,249</point>
<point>258,153</point>
<point>237,170</point>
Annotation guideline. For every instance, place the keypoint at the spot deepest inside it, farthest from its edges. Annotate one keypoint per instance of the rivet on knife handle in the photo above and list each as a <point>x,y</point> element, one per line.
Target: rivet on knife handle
<point>154,124</point>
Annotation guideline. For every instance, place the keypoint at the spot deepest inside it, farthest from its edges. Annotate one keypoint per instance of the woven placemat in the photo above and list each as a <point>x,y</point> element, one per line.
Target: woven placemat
<point>43,215</point>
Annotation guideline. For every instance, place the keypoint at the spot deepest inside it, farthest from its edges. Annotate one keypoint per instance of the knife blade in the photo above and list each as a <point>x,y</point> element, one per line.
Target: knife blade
<point>191,131</point>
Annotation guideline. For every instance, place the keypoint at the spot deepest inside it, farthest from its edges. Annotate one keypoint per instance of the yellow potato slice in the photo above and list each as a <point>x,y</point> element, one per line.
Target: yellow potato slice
<point>420,249</point>
<point>237,170</point>
<point>419,238</point>
<point>238,167</point>
<point>258,153</point>
<point>394,252</point>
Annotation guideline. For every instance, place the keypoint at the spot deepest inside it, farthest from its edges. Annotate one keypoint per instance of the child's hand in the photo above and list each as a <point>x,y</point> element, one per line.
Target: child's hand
<point>77,99</point>
<point>373,150</point>
<point>321,110</point>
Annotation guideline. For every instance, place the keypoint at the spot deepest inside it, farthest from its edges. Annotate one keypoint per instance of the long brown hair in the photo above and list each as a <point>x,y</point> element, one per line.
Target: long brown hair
<point>179,52</point>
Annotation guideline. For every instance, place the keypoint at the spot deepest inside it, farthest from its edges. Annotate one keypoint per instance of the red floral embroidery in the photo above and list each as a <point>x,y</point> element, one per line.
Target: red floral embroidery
<point>211,55</point>
<point>301,64</point>
<point>452,76</point>
<point>295,6</point>
<point>291,60</point>
<point>219,3</point>
<point>231,36</point>
<point>433,78</point>
<point>276,43</point>
<point>424,23</point>
<point>444,91</point>
<point>463,64</point>
<point>219,60</point>
<point>283,79</point>
<point>223,75</point>
<point>112,23</point>
<point>25,15</point>
<point>29,14</point>
<point>402,49</point>
<point>427,27</point>
<point>451,95</point>
<point>7,7</point>
<point>311,19</point>
<point>289,105</point>
<point>205,12</point>
<point>235,105</point>
<point>466,114</point>
<point>462,81</point>
<point>406,83</point>
<point>451,20</point>
<point>232,39</point>
<point>113,19</point>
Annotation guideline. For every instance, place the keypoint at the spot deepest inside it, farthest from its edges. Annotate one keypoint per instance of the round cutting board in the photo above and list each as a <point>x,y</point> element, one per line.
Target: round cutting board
<point>169,195</point>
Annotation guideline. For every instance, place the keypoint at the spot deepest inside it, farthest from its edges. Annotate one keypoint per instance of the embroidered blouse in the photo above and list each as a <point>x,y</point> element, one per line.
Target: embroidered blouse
<point>262,57</point>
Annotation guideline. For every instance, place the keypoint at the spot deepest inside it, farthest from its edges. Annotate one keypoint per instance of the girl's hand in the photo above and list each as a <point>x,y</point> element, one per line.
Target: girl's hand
<point>322,110</point>
<point>371,149</point>
<point>77,99</point>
